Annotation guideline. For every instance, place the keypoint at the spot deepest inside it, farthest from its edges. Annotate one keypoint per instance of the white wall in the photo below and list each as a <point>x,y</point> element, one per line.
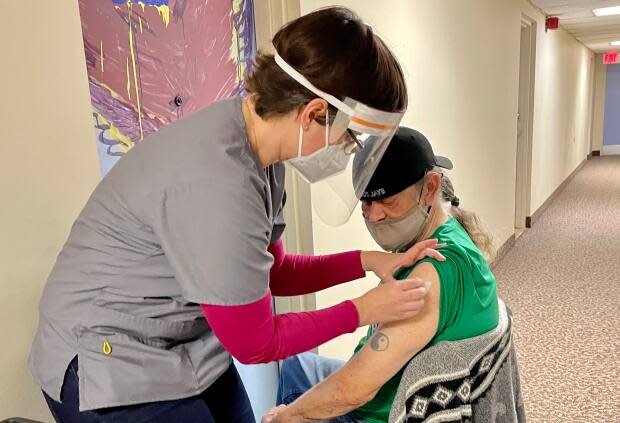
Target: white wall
<point>598,119</point>
<point>562,103</point>
<point>461,62</point>
<point>48,168</point>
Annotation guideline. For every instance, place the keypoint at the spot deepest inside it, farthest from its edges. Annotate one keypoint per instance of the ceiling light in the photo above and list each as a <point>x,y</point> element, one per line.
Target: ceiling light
<point>615,43</point>
<point>607,11</point>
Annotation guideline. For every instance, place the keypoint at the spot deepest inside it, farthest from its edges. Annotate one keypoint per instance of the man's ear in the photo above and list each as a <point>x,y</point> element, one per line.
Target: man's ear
<point>432,187</point>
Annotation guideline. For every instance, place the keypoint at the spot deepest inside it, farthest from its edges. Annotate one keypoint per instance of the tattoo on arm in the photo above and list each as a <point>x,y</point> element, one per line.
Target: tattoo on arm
<point>380,342</point>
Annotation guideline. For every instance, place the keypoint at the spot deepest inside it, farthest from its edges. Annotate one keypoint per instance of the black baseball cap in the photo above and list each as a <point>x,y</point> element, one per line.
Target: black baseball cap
<point>406,160</point>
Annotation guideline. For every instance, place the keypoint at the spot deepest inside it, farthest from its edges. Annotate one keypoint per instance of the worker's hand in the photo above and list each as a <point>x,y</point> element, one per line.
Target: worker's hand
<point>279,415</point>
<point>384,265</point>
<point>391,301</point>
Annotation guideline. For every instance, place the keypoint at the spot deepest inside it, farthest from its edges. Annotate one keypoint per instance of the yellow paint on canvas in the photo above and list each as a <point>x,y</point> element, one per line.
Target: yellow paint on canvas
<point>164,12</point>
<point>101,54</point>
<point>128,81</point>
<point>234,53</point>
<point>135,71</point>
<point>234,50</point>
<point>237,44</point>
<point>236,6</point>
<point>125,142</point>
<point>140,20</point>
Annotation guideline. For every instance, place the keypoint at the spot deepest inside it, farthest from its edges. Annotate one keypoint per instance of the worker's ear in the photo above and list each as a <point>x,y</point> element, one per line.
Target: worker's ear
<point>308,113</point>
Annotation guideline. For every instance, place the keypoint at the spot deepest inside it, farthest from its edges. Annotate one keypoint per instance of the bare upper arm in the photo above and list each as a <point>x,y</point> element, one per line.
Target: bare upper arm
<point>394,344</point>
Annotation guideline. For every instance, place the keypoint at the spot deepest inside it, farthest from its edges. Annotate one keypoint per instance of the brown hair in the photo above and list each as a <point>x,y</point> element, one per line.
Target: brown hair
<point>337,53</point>
<point>469,220</point>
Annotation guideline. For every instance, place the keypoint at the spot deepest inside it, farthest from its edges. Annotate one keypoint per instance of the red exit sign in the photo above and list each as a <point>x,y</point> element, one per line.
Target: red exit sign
<point>611,58</point>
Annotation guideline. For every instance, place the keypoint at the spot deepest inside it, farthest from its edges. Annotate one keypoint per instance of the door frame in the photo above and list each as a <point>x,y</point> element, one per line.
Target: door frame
<point>525,110</point>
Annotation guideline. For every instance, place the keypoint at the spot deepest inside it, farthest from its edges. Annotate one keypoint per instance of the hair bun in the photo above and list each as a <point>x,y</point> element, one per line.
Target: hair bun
<point>455,202</point>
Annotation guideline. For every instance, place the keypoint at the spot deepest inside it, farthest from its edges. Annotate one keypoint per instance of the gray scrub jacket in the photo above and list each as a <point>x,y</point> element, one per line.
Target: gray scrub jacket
<point>184,218</point>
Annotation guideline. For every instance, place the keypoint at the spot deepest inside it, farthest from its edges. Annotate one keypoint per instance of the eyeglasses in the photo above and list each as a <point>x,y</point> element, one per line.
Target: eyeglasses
<point>351,139</point>
<point>352,142</point>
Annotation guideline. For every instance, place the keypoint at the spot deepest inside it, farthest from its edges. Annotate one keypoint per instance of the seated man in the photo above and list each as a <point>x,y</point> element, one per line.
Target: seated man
<point>407,200</point>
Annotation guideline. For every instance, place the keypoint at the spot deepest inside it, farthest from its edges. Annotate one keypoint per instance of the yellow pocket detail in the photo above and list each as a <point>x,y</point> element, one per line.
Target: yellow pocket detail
<point>107,348</point>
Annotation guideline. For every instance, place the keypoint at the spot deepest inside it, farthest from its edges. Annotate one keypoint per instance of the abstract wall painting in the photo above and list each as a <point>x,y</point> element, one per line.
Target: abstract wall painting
<point>151,62</point>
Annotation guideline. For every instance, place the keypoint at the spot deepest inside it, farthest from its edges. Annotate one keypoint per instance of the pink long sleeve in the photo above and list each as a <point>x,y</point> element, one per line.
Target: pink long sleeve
<point>253,334</point>
<point>295,274</point>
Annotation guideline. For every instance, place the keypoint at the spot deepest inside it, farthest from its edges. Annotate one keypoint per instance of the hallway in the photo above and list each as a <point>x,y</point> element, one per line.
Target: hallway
<point>561,282</point>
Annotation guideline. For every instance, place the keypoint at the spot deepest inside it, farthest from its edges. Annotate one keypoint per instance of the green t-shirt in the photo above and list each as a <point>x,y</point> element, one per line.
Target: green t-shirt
<point>468,304</point>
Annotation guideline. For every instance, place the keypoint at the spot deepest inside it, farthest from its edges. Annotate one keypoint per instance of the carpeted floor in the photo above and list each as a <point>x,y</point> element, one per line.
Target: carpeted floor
<point>562,282</point>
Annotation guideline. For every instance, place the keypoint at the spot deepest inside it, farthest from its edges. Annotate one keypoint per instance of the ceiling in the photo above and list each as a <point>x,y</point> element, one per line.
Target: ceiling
<point>577,18</point>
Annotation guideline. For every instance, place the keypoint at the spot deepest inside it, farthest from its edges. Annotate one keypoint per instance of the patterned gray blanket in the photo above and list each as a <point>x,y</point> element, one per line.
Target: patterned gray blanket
<point>473,380</point>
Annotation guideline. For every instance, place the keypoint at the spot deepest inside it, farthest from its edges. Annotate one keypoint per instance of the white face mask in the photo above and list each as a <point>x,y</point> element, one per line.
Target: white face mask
<point>401,233</point>
<point>328,161</point>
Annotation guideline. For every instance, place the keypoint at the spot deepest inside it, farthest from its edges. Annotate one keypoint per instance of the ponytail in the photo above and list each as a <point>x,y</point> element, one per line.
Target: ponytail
<point>468,220</point>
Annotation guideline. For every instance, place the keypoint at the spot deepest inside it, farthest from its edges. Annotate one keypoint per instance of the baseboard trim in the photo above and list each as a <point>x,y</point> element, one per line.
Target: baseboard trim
<point>503,250</point>
<point>531,220</point>
<point>596,153</point>
<point>610,150</point>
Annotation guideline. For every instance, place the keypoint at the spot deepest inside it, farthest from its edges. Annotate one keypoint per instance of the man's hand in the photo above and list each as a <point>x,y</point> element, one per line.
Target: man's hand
<point>279,415</point>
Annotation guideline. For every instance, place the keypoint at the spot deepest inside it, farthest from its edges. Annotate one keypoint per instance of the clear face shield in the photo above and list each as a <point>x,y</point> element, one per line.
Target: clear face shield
<point>356,130</point>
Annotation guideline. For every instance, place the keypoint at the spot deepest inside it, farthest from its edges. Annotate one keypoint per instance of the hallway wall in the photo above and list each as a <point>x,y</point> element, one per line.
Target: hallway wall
<point>562,104</point>
<point>49,167</point>
<point>462,75</point>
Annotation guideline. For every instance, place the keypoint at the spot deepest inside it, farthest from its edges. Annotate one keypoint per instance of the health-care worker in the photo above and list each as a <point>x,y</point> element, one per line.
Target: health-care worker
<point>170,268</point>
